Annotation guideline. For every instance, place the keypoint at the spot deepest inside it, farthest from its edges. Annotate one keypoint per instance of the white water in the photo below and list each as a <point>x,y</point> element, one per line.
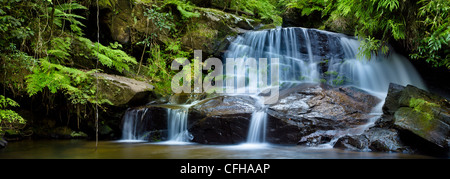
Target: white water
<point>302,51</point>
<point>177,125</point>
<point>133,125</point>
<point>258,125</point>
<point>134,128</point>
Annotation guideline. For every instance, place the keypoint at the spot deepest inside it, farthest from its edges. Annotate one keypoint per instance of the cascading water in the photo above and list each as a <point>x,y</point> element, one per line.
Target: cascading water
<point>257,130</point>
<point>177,125</point>
<point>133,128</point>
<point>136,123</point>
<point>305,56</point>
<point>310,55</point>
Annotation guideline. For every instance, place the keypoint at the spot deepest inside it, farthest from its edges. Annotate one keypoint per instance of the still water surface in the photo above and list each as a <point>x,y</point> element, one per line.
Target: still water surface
<point>82,149</point>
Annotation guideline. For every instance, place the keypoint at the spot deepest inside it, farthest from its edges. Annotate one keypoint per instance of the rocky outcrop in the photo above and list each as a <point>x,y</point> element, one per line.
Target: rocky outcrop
<point>211,31</point>
<point>316,109</point>
<point>424,114</point>
<point>413,120</point>
<point>300,112</point>
<point>122,91</point>
<point>374,139</point>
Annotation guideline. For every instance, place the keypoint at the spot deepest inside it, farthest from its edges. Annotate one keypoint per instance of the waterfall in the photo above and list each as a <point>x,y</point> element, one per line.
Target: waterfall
<point>310,55</point>
<point>133,128</point>
<point>136,125</point>
<point>313,56</point>
<point>257,130</point>
<point>304,56</point>
<point>177,125</point>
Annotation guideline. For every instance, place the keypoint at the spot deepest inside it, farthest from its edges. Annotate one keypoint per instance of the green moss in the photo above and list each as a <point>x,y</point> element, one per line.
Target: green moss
<point>78,134</point>
<point>423,107</point>
<point>331,73</point>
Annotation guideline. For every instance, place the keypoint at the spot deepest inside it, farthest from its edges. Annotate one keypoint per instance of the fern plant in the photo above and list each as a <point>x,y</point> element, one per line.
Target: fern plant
<point>434,46</point>
<point>62,13</point>
<point>74,83</point>
<point>112,58</point>
<point>60,48</point>
<point>8,117</point>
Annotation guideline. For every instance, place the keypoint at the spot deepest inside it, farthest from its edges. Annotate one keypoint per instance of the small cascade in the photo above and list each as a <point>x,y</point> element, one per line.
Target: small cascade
<point>258,126</point>
<point>133,128</point>
<point>137,126</point>
<point>177,125</point>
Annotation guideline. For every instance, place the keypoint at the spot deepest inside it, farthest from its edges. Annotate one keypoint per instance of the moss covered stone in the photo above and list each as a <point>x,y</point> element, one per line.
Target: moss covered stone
<point>424,114</point>
<point>121,91</point>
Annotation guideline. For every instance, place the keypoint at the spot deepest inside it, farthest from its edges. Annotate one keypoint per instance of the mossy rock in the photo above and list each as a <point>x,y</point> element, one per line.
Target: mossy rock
<point>415,110</point>
<point>421,124</point>
<point>122,91</point>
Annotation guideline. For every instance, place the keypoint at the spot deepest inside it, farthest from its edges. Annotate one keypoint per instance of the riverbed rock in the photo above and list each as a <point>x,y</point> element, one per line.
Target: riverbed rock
<point>413,120</point>
<point>122,91</point>
<point>314,108</point>
<point>374,139</point>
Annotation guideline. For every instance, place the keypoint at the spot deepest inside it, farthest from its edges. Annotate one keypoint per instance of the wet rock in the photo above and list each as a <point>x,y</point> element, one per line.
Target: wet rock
<point>226,120</point>
<point>391,103</point>
<point>311,108</point>
<point>317,138</point>
<point>374,139</point>
<point>148,122</point>
<point>301,111</point>
<point>226,105</point>
<point>221,120</point>
<point>355,143</point>
<point>422,113</point>
<point>421,124</point>
<point>221,129</point>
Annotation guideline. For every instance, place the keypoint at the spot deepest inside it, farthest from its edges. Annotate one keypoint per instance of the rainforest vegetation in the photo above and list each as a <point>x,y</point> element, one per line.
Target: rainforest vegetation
<point>51,49</point>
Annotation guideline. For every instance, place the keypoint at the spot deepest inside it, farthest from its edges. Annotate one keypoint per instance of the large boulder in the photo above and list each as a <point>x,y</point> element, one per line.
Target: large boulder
<point>122,91</point>
<point>221,120</point>
<point>424,114</point>
<point>316,109</point>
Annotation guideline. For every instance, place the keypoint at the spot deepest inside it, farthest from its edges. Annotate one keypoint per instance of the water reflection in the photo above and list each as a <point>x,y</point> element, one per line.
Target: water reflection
<point>80,149</point>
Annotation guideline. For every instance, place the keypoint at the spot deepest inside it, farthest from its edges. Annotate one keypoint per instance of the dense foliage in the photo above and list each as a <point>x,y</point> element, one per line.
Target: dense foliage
<point>422,27</point>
